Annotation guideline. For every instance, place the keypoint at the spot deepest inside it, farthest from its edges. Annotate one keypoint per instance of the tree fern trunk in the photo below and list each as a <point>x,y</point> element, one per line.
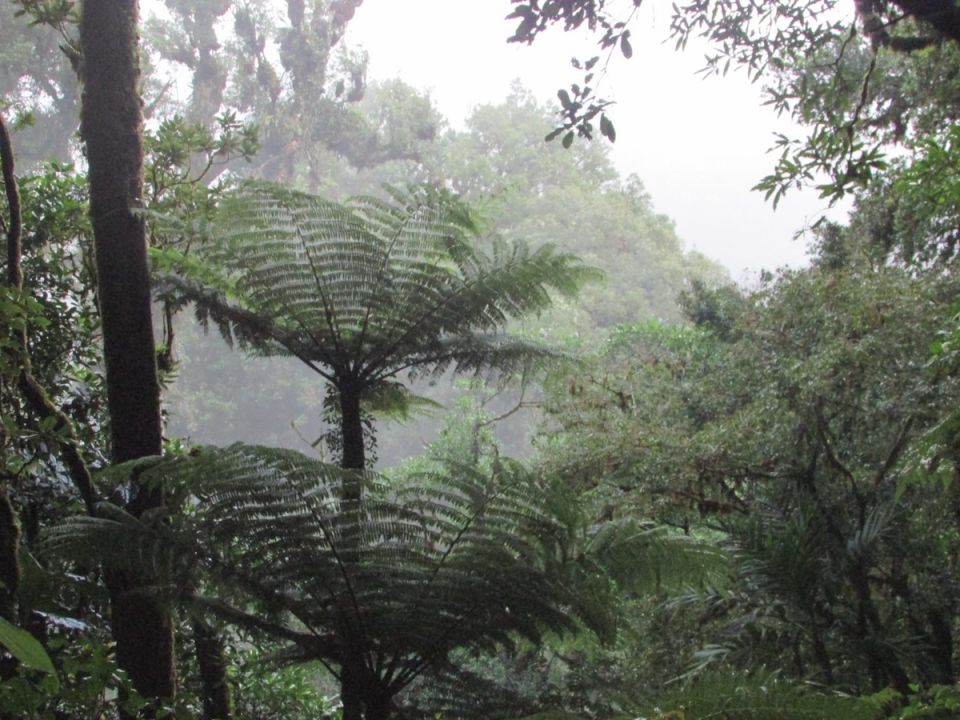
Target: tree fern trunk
<point>378,707</point>
<point>352,459</point>
<point>112,129</point>
<point>362,698</point>
<point>213,672</point>
<point>820,651</point>
<point>940,652</point>
<point>352,427</point>
<point>884,666</point>
<point>352,685</point>
<point>351,690</point>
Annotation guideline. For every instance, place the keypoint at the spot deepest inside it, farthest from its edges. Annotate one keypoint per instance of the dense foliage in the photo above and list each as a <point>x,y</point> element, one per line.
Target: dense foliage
<point>742,503</point>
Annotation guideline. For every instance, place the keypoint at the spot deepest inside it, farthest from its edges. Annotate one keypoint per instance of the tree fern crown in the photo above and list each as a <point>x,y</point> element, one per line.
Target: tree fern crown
<point>369,288</point>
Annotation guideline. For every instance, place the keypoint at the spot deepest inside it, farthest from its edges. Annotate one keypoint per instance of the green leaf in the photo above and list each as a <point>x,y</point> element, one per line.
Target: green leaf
<point>553,134</point>
<point>607,129</point>
<point>25,648</point>
<point>568,139</point>
<point>23,120</point>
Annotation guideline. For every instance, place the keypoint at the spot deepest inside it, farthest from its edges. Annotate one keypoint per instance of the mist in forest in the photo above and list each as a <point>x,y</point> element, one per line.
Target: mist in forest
<point>381,113</point>
<point>514,360</point>
<point>375,128</point>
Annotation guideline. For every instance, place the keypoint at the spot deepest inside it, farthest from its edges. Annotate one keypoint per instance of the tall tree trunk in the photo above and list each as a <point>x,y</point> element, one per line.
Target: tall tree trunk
<point>9,527</point>
<point>111,124</point>
<point>112,128</point>
<point>884,666</point>
<point>9,556</point>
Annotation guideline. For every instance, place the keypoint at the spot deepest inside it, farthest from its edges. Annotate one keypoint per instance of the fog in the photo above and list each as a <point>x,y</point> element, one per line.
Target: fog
<point>698,143</point>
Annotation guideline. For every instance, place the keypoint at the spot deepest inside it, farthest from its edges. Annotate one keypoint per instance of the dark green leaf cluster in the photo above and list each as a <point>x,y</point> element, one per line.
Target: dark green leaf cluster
<point>806,429</point>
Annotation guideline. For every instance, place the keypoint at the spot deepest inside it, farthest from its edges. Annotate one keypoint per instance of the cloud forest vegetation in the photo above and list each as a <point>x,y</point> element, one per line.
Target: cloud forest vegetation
<point>312,406</point>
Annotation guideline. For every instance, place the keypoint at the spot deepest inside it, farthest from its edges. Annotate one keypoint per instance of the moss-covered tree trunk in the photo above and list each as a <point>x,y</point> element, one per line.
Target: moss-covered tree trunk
<point>112,129</point>
<point>9,555</point>
<point>9,527</point>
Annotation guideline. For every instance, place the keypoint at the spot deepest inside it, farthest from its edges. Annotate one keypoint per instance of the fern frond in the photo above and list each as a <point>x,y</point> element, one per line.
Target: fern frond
<point>136,544</point>
<point>757,696</point>
<point>412,572</point>
<point>367,288</point>
<point>444,695</point>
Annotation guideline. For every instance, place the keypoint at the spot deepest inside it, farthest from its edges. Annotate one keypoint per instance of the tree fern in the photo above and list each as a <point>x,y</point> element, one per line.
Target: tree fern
<point>383,590</point>
<point>364,291</point>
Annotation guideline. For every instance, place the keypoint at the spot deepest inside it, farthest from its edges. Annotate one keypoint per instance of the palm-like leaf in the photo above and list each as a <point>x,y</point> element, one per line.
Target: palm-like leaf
<point>422,566</point>
<point>411,573</point>
<point>369,288</point>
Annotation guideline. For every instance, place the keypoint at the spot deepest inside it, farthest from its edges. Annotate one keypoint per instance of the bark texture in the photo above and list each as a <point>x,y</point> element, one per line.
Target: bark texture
<point>112,130</point>
<point>351,425</point>
<point>9,557</point>
<point>9,527</point>
<point>111,124</point>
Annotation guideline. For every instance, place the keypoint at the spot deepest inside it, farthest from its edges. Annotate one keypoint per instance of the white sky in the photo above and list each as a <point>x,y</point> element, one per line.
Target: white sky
<point>698,144</point>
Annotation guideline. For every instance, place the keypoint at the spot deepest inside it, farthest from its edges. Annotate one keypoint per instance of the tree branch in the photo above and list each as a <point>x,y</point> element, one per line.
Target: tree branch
<point>895,452</point>
<point>323,646</point>
<point>15,228</point>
